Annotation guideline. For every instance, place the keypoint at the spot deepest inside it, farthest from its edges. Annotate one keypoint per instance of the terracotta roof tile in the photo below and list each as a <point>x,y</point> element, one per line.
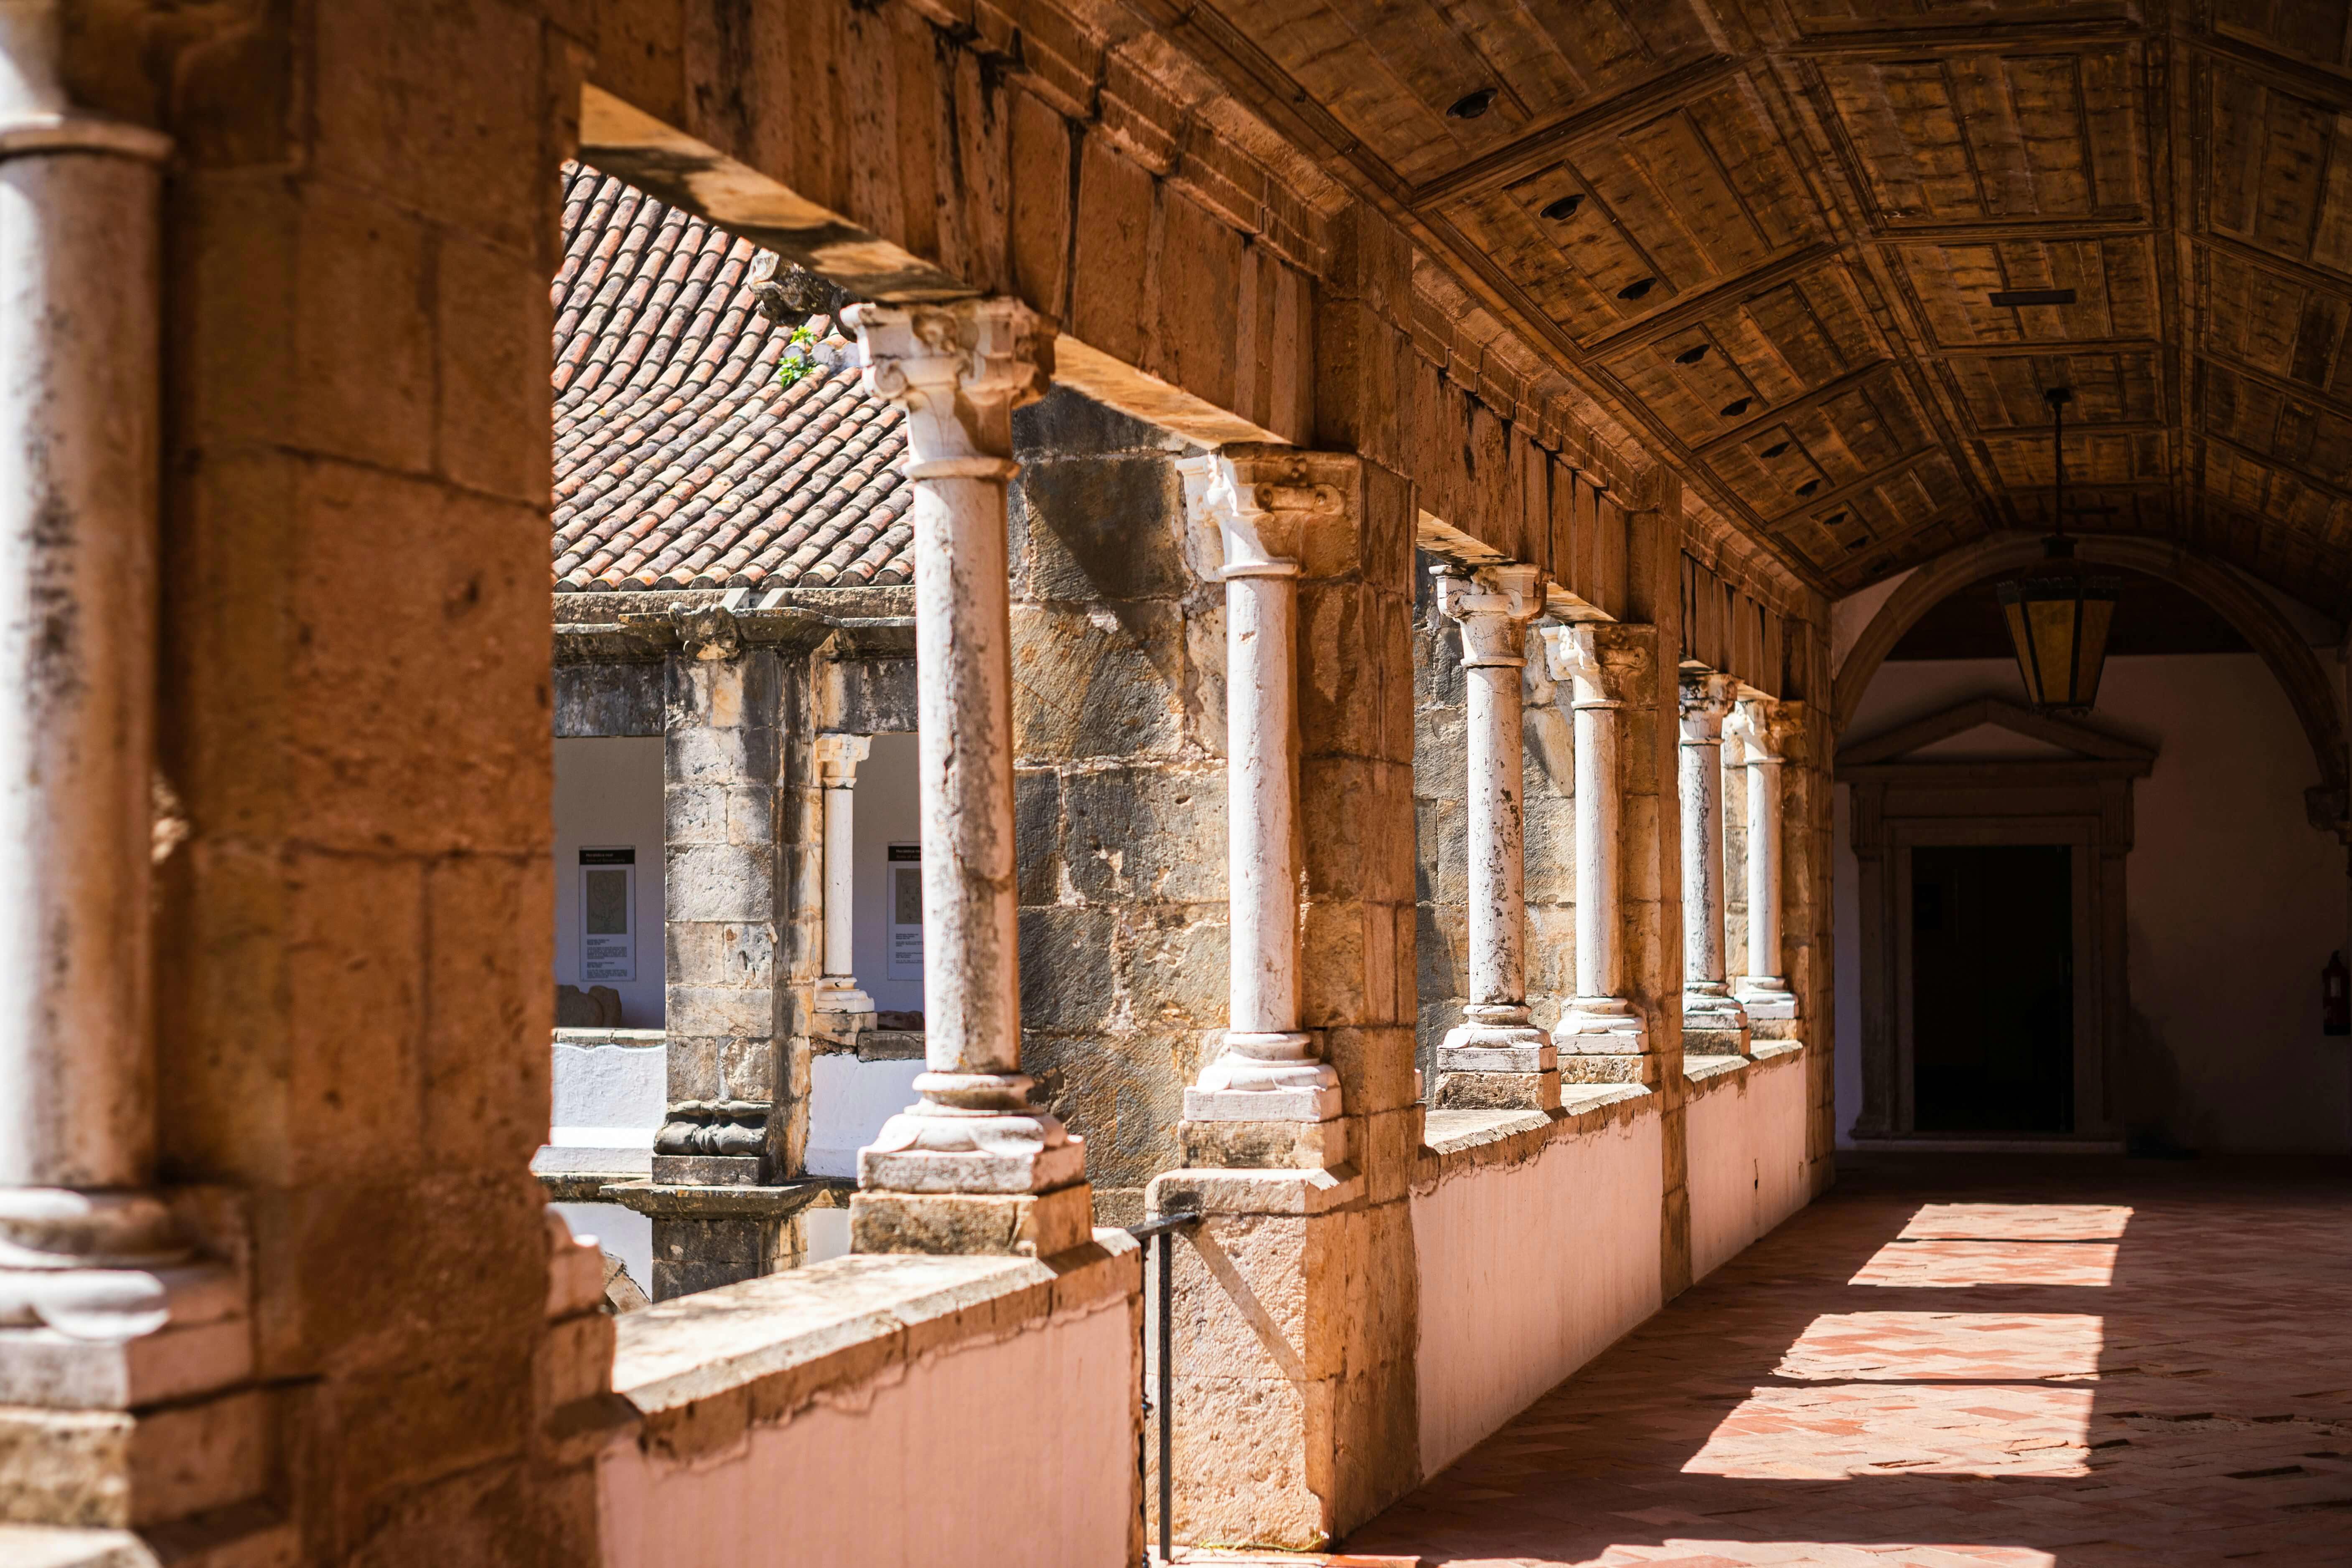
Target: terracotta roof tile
<point>679,462</point>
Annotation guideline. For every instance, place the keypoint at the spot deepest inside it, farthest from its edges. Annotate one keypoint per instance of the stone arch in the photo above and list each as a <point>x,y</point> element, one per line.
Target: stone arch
<point>2290,659</point>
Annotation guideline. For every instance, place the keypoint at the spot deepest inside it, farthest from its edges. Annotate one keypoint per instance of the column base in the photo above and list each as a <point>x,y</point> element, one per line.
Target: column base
<point>1766,997</point>
<point>1021,1225</point>
<point>843,997</point>
<point>1714,1023</point>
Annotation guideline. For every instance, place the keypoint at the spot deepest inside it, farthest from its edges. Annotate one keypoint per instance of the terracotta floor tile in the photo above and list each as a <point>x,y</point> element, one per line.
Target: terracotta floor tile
<point>1947,1364</point>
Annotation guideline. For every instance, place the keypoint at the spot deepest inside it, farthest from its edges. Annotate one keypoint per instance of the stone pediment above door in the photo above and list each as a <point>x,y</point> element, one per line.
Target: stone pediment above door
<point>1991,731</point>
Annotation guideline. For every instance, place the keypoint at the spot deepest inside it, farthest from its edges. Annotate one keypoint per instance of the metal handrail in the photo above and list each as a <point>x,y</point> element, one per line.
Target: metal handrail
<point>1165,1227</point>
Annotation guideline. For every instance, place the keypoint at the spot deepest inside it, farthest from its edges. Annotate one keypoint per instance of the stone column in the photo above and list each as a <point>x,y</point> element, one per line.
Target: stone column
<point>1714,1023</point>
<point>976,1165</point>
<point>1495,1058</point>
<point>1263,1096</point>
<point>79,291</point>
<point>1294,1293</point>
<point>1598,669</point>
<point>1763,991</point>
<point>837,757</point>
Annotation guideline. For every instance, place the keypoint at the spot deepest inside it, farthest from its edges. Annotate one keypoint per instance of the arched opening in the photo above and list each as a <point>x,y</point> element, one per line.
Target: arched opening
<point>2106,931</point>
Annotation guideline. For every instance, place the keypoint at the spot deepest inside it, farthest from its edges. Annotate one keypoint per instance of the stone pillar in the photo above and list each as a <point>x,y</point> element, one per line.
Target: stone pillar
<point>1764,990</point>
<point>1264,1097</point>
<point>976,1165</point>
<point>1294,1307</point>
<point>1601,1036</point>
<point>1714,1023</point>
<point>80,291</point>
<point>837,757</point>
<point>1495,1058</point>
<point>722,802</point>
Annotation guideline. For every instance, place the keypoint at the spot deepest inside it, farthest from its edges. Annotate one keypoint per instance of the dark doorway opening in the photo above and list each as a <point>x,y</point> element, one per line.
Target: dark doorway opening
<point>1992,988</point>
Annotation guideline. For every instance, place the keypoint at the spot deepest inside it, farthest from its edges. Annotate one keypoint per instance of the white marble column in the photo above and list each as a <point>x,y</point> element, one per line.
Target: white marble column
<point>1764,990</point>
<point>1494,1058</point>
<point>837,757</point>
<point>80,302</point>
<point>1708,1002</point>
<point>1261,1068</point>
<point>1601,1019</point>
<point>959,369</point>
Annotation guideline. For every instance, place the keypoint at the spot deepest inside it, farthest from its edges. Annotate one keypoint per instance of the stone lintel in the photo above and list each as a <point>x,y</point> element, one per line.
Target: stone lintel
<point>1021,1225</point>
<point>706,1169</point>
<point>702,1368</point>
<point>1468,1090</point>
<point>1607,1067</point>
<point>1016,1172</point>
<point>660,1199</point>
<point>1242,1192</point>
<point>1273,1144</point>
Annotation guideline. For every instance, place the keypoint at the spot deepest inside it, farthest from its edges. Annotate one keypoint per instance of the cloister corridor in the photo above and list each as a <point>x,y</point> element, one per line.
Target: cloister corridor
<point>2077,1362</point>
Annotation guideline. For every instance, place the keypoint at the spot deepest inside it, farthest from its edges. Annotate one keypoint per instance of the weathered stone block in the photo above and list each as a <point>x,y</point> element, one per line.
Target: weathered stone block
<point>1147,835</point>
<point>1174,966</point>
<point>1102,683</point>
<point>484,1067</point>
<point>1100,528</point>
<point>1067,974</point>
<point>727,954</point>
<point>701,1011</point>
<point>1037,834</point>
<point>718,882</point>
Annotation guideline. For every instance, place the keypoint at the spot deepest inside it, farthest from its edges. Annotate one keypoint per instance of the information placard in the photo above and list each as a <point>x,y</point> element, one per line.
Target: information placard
<point>608,914</point>
<point>904,891</point>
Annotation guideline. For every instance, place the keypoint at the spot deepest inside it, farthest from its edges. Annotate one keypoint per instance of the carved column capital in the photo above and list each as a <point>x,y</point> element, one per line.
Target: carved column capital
<point>837,757</point>
<point>959,369</point>
<point>1705,701</point>
<point>1765,729</point>
<point>1493,606</point>
<point>1602,665</point>
<point>1266,502</point>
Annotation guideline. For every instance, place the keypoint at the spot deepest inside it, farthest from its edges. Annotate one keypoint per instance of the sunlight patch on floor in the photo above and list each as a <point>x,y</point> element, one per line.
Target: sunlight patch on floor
<point>1936,1347</point>
<point>1852,1430</point>
<point>2018,1221</point>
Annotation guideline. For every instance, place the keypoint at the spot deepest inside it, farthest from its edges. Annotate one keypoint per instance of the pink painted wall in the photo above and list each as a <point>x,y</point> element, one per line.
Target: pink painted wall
<point>2233,900</point>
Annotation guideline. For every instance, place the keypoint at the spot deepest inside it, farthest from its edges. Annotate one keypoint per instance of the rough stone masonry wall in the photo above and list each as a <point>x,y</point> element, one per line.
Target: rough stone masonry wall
<point>355,1006</point>
<point>1440,780</point>
<point>1119,732</point>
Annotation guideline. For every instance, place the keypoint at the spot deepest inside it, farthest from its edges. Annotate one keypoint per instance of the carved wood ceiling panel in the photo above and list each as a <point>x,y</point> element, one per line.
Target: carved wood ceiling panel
<point>1766,235</point>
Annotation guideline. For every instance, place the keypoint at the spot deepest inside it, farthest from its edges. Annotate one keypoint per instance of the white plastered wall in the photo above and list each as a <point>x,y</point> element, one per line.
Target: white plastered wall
<point>608,793</point>
<point>2233,900</point>
<point>887,813</point>
<point>1526,1272</point>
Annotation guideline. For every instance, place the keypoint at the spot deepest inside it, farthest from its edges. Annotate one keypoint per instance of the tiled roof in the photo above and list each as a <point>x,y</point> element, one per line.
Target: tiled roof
<point>679,462</point>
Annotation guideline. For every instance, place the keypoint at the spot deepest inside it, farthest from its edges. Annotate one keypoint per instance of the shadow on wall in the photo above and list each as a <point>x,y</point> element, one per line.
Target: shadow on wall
<point>2157,1125</point>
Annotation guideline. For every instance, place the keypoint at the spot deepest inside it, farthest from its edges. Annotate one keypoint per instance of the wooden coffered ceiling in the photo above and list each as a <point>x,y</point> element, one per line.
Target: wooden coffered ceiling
<point>1765,235</point>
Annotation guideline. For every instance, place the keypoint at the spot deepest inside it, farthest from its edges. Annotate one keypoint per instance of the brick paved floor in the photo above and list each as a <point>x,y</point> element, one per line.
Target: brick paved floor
<point>2076,1362</point>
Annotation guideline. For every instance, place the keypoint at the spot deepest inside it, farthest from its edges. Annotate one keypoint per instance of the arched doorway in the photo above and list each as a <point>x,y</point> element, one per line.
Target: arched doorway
<point>2187,991</point>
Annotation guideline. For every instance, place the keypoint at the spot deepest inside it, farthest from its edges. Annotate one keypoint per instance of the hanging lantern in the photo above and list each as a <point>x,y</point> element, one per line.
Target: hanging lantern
<point>2058,618</point>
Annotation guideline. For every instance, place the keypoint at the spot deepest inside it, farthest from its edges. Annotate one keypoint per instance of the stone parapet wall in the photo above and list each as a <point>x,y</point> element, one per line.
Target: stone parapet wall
<point>1536,1239</point>
<point>1750,1166</point>
<point>891,1411</point>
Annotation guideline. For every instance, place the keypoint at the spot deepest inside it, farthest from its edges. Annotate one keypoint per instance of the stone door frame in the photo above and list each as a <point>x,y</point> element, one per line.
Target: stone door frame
<point>2082,801</point>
